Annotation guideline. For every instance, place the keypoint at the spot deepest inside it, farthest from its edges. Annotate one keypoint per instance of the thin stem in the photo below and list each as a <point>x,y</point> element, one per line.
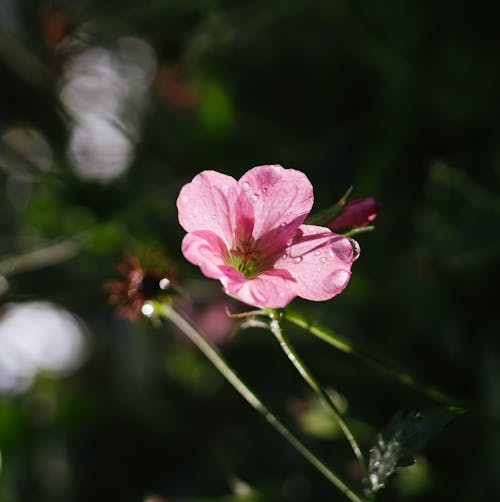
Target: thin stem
<point>51,254</point>
<point>308,376</point>
<point>218,361</point>
<point>359,230</point>
<point>372,359</point>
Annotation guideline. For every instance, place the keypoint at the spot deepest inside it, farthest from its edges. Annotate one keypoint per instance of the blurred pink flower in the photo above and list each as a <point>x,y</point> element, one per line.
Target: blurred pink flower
<point>357,213</point>
<point>249,235</point>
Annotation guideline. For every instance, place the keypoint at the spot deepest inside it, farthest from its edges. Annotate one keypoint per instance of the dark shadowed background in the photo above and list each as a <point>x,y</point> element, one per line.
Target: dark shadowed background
<point>108,108</point>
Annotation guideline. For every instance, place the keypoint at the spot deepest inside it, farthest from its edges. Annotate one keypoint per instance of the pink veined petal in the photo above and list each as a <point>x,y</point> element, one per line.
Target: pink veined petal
<point>207,250</point>
<point>272,288</point>
<point>281,199</point>
<point>320,261</point>
<point>212,202</point>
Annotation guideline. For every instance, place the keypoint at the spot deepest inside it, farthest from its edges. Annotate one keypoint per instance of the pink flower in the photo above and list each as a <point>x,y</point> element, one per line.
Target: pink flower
<point>249,235</point>
<point>357,213</point>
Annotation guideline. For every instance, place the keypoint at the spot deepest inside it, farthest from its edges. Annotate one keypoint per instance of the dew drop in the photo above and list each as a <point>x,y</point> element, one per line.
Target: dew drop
<point>317,253</point>
<point>214,216</point>
<point>283,224</point>
<point>284,256</point>
<point>356,250</point>
<point>297,259</point>
<point>254,197</point>
<point>148,309</point>
<point>336,281</point>
<point>164,283</point>
<point>323,259</point>
<point>245,185</point>
<point>264,190</point>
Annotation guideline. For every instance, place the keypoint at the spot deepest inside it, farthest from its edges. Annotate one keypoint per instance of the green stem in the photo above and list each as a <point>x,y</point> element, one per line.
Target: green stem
<point>374,360</point>
<point>43,257</point>
<point>218,361</point>
<point>307,375</point>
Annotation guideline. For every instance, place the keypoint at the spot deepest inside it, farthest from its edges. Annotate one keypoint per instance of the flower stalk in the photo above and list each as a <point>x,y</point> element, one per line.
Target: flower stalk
<point>371,359</point>
<point>308,376</point>
<point>211,352</point>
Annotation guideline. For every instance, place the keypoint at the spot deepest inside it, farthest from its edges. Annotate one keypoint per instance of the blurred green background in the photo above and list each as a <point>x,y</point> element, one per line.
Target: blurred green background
<point>108,108</point>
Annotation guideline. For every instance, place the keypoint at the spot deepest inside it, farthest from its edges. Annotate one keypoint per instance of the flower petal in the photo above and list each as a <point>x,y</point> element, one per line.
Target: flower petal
<point>273,288</point>
<point>320,261</point>
<point>281,199</point>
<point>207,250</point>
<point>213,201</point>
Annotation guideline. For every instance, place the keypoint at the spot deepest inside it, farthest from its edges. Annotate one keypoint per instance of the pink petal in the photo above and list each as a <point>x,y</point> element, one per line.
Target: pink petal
<point>320,261</point>
<point>281,199</point>
<point>272,288</point>
<point>207,250</point>
<point>214,202</point>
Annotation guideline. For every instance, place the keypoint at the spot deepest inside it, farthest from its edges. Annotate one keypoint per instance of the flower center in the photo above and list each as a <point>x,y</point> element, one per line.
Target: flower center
<point>245,260</point>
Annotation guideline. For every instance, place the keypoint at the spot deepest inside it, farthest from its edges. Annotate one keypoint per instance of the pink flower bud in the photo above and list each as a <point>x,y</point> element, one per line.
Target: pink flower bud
<point>357,213</point>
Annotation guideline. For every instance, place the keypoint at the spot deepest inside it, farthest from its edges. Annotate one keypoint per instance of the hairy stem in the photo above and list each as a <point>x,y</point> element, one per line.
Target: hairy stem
<point>308,376</point>
<point>218,361</point>
<point>374,360</point>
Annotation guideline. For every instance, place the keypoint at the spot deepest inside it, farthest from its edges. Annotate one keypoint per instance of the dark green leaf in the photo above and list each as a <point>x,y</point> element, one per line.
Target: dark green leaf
<point>397,444</point>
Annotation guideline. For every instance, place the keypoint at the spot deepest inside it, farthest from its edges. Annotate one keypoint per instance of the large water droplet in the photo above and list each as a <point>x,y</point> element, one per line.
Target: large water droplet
<point>245,185</point>
<point>323,259</point>
<point>336,281</point>
<point>356,250</point>
<point>273,171</point>
<point>254,197</point>
<point>297,259</point>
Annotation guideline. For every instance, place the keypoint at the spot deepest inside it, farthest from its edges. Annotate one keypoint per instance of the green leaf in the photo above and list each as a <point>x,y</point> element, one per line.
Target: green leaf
<point>404,436</point>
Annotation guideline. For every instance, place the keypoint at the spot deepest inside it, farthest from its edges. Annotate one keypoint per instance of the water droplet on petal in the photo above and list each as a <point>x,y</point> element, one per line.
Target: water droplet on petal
<point>214,216</point>
<point>245,185</point>
<point>336,281</point>
<point>356,250</point>
<point>254,197</point>
<point>297,259</point>
<point>283,224</point>
<point>317,253</point>
<point>323,259</point>
<point>284,256</point>
<point>264,190</point>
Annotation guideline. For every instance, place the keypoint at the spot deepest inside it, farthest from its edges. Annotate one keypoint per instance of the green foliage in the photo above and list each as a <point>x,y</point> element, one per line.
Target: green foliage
<point>401,439</point>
